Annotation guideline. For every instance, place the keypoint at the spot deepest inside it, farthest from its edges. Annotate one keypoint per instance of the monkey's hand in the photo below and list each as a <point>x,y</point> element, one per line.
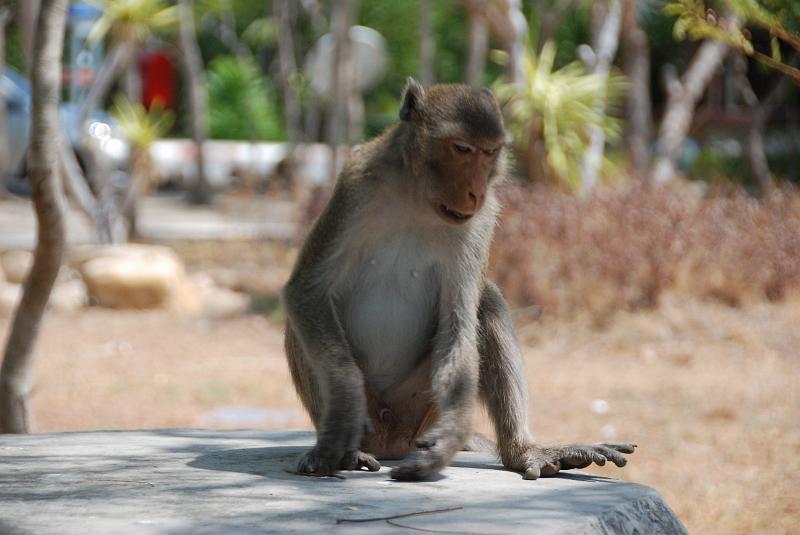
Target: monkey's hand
<point>535,461</point>
<point>318,461</point>
<point>434,454</point>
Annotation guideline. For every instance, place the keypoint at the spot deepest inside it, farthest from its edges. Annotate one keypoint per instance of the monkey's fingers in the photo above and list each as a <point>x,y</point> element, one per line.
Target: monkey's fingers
<point>356,460</point>
<point>312,463</point>
<point>420,465</point>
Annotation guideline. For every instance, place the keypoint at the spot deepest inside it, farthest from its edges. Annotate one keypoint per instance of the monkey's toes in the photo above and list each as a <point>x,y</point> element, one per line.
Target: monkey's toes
<point>535,471</point>
<point>623,447</point>
<point>356,460</point>
<point>581,456</point>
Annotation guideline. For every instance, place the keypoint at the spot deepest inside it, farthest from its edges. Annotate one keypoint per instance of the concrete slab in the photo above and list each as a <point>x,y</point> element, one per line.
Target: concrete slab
<point>209,482</point>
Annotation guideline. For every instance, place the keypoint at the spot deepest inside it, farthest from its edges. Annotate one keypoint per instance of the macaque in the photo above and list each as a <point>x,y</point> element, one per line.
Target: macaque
<point>393,331</point>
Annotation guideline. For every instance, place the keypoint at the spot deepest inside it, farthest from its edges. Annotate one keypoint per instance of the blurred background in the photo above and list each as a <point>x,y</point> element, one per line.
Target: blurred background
<point>649,245</point>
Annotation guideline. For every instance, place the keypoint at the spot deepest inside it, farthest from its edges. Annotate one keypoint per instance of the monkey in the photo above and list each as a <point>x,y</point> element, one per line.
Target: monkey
<point>393,332</point>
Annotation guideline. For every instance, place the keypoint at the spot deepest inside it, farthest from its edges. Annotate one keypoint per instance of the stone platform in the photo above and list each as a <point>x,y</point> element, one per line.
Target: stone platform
<point>219,482</point>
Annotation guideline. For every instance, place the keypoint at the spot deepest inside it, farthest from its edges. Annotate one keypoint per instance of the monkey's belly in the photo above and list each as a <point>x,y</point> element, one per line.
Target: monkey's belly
<point>389,332</point>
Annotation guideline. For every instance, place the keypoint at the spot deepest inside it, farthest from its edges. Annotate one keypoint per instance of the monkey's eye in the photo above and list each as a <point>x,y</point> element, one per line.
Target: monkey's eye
<point>464,148</point>
<point>490,152</point>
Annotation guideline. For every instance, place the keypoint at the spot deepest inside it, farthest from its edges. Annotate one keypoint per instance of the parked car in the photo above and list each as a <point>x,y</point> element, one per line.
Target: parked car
<point>17,92</point>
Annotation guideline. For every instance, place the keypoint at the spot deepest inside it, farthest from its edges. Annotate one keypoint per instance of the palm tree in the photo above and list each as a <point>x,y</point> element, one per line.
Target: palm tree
<point>548,114</point>
<point>15,374</point>
<point>141,127</point>
<point>128,24</point>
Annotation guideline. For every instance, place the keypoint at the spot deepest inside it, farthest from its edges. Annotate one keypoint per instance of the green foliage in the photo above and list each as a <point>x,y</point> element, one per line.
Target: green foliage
<point>781,18</point>
<point>134,20</point>
<point>15,57</point>
<point>557,106</point>
<point>261,32</point>
<point>141,126</point>
<point>242,102</point>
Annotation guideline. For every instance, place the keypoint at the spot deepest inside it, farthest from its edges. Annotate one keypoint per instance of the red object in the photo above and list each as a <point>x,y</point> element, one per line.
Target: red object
<point>158,79</point>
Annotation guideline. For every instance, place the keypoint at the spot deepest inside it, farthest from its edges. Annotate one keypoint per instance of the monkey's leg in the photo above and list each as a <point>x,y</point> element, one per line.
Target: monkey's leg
<point>503,388</point>
<point>331,387</point>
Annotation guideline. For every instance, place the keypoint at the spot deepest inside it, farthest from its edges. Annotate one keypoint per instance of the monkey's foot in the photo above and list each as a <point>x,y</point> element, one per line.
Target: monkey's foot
<point>539,461</point>
<point>315,461</point>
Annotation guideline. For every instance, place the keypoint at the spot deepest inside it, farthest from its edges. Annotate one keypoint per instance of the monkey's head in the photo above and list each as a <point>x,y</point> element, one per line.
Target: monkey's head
<point>456,143</point>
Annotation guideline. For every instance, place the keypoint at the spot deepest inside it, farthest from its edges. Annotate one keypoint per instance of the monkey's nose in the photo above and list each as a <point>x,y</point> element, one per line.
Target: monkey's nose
<point>476,201</point>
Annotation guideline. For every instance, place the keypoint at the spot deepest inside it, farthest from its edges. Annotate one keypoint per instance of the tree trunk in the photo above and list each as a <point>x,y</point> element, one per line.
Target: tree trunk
<point>27,12</point>
<point>761,111</point>
<point>342,16</point>
<point>17,368</point>
<point>478,44</point>
<point>288,64</point>
<point>201,192</point>
<point>639,114</point>
<point>550,18</point>
<point>118,58</point>
<point>605,43</point>
<point>681,102</point>
<point>427,43</point>
<point>5,15</point>
<point>509,25</point>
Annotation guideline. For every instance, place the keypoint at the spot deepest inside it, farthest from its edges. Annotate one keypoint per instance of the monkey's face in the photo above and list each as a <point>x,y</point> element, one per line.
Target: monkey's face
<point>462,177</point>
<point>459,135</point>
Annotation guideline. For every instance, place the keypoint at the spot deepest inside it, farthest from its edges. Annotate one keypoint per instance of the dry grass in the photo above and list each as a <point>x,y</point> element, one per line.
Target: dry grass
<point>622,248</point>
<point>710,393</point>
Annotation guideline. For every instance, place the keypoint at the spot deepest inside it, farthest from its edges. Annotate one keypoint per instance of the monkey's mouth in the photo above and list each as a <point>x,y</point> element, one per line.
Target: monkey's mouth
<point>453,216</point>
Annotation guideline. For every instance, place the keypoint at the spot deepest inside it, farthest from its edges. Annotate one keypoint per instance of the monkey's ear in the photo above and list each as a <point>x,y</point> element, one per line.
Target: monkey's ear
<point>412,95</point>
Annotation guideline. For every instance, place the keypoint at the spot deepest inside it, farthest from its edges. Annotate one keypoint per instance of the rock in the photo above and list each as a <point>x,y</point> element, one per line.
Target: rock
<point>253,281</point>
<point>69,296</point>
<point>10,295</point>
<point>16,264</point>
<point>218,302</point>
<point>136,276</point>
<point>191,481</point>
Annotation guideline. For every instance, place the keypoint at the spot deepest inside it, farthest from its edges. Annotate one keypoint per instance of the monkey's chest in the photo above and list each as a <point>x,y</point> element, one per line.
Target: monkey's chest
<point>389,313</point>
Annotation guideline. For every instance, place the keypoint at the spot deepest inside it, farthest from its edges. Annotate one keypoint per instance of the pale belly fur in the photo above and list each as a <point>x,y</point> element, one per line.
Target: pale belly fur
<point>389,309</point>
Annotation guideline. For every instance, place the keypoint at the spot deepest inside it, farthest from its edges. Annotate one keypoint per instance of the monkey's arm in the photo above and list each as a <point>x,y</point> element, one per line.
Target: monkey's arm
<point>454,382</point>
<point>503,388</point>
<point>324,349</point>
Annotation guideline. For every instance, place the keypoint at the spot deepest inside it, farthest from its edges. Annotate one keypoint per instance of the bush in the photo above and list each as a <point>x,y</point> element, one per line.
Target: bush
<point>623,248</point>
<point>241,102</point>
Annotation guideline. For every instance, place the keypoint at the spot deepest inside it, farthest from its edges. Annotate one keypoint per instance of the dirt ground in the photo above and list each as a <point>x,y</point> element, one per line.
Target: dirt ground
<point>710,393</point>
